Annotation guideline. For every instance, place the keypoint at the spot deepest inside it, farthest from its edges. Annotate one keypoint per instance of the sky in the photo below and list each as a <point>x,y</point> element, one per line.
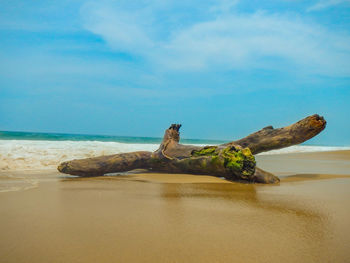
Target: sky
<point>222,68</point>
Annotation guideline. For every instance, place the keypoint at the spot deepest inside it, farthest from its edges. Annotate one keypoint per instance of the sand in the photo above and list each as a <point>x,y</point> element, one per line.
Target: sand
<point>48,217</point>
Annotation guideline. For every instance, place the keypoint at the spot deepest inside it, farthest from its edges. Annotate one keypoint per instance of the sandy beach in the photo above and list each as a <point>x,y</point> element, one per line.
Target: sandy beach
<point>174,131</point>
<point>50,217</point>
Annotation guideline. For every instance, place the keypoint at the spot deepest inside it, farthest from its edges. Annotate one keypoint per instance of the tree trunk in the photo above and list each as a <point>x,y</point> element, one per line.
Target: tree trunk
<point>234,160</point>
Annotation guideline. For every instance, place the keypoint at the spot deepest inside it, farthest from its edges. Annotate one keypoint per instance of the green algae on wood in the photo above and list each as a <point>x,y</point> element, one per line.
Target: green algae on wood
<point>206,151</point>
<point>234,160</point>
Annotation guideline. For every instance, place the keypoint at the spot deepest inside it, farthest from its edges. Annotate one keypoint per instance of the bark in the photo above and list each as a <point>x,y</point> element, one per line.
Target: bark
<point>268,138</point>
<point>234,160</point>
<point>98,166</point>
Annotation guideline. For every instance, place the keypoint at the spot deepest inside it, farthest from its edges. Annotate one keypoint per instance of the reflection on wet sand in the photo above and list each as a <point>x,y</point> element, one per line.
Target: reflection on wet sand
<point>244,194</point>
<point>310,177</point>
<point>231,213</point>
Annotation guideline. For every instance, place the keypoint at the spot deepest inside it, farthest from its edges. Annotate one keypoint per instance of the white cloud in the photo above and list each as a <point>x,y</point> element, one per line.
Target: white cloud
<point>224,6</point>
<point>325,4</point>
<point>122,30</point>
<point>225,41</point>
<point>253,40</point>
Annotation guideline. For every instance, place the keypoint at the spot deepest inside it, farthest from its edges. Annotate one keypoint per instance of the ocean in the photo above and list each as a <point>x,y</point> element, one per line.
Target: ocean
<point>36,151</point>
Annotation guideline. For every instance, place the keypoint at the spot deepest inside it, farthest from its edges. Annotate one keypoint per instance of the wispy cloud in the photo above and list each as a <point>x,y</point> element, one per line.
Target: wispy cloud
<point>325,4</point>
<point>224,39</point>
<point>73,66</point>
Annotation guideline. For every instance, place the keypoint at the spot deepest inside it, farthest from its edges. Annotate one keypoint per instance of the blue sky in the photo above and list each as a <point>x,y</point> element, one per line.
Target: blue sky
<point>221,68</point>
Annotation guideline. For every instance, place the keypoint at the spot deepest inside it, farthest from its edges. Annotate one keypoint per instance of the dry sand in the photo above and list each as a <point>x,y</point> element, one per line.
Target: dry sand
<point>47,217</point>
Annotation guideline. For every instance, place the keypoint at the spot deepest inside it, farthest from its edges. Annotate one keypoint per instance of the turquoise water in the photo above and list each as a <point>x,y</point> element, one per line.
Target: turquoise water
<point>11,135</point>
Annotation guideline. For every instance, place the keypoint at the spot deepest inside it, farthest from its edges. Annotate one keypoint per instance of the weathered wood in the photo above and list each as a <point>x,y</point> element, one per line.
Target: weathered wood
<point>268,138</point>
<point>98,166</point>
<point>233,160</point>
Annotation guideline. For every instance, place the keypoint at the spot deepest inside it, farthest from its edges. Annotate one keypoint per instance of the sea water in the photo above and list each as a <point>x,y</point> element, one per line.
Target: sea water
<point>33,151</point>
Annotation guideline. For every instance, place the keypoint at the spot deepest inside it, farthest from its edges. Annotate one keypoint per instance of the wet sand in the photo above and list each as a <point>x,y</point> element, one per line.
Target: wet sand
<point>181,218</point>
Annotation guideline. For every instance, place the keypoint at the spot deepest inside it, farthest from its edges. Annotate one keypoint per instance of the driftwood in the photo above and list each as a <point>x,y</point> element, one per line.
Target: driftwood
<point>234,160</point>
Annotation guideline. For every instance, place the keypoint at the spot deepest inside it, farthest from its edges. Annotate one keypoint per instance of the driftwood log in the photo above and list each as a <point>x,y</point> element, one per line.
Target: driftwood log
<point>234,160</point>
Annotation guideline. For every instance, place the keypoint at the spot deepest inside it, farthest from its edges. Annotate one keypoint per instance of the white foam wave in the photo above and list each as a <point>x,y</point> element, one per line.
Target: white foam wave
<point>30,155</point>
<point>304,148</point>
<point>34,155</point>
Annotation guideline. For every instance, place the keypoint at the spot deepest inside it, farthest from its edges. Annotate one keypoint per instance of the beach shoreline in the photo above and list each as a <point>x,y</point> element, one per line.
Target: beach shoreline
<point>153,217</point>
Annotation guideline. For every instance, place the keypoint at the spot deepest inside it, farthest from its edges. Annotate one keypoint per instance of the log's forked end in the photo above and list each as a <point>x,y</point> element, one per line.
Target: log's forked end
<point>175,127</point>
<point>171,134</point>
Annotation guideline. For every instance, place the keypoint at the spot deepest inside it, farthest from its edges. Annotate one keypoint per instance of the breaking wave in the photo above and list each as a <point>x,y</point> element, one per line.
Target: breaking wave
<point>33,155</point>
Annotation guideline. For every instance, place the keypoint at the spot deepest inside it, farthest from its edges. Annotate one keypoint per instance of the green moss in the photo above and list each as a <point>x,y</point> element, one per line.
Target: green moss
<point>246,152</point>
<point>239,160</point>
<point>206,151</point>
<point>232,159</point>
<point>235,160</point>
<point>214,158</point>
